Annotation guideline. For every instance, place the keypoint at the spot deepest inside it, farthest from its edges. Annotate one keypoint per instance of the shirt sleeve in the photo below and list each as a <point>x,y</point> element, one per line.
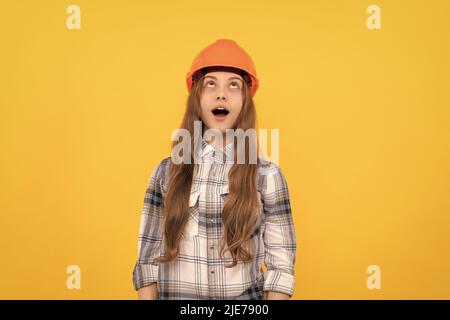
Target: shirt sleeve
<point>150,232</point>
<point>279,234</point>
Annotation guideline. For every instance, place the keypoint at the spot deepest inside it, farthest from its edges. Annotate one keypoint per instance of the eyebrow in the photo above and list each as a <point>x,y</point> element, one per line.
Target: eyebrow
<point>228,78</point>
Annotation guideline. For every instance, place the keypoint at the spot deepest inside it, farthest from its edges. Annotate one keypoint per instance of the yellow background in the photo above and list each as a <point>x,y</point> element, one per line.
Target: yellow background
<point>85,116</point>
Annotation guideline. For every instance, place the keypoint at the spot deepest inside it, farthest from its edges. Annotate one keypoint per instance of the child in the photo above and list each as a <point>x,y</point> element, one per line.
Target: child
<point>208,226</point>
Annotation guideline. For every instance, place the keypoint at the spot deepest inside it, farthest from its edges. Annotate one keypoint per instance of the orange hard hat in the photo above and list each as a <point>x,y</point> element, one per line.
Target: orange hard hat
<point>224,53</point>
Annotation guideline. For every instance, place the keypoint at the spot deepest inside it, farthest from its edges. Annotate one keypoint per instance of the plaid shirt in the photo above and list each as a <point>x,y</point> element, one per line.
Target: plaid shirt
<point>199,272</point>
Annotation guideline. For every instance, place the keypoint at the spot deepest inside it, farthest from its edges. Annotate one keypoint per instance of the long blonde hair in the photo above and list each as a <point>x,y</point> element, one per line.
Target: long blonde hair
<point>240,214</point>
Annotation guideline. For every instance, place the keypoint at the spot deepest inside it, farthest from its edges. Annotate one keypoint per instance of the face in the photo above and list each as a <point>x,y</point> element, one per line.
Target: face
<point>221,99</point>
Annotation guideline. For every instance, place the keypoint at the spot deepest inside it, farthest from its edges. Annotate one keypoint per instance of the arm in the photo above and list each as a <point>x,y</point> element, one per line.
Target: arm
<point>145,273</point>
<point>149,292</point>
<point>272,295</point>
<point>279,237</point>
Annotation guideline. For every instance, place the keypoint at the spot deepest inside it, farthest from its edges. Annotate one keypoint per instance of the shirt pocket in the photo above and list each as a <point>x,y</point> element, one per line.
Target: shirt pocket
<point>223,194</point>
<point>192,224</point>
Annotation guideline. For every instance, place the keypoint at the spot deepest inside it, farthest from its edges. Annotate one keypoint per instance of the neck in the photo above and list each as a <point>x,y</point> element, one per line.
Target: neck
<point>225,141</point>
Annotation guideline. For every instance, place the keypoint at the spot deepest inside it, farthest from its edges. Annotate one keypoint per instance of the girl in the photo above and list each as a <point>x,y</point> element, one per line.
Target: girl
<point>208,227</point>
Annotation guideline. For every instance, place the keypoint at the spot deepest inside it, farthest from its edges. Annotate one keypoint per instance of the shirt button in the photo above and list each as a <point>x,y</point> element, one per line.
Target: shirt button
<point>210,195</point>
<point>211,220</point>
<point>212,271</point>
<point>211,247</point>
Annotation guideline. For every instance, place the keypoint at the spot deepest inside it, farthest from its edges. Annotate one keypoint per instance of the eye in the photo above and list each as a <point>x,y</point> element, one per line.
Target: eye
<point>208,82</point>
<point>235,83</point>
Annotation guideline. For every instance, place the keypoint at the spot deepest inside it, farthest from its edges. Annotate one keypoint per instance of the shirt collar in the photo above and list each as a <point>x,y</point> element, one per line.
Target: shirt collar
<point>211,152</point>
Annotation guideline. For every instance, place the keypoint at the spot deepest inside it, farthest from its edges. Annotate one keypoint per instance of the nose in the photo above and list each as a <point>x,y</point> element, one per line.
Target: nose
<point>221,92</point>
<point>221,97</point>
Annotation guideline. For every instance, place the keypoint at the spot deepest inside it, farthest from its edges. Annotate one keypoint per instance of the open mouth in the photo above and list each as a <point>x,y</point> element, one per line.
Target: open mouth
<point>220,112</point>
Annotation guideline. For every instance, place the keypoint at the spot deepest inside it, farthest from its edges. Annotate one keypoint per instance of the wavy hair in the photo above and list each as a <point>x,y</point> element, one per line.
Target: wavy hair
<point>240,213</point>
